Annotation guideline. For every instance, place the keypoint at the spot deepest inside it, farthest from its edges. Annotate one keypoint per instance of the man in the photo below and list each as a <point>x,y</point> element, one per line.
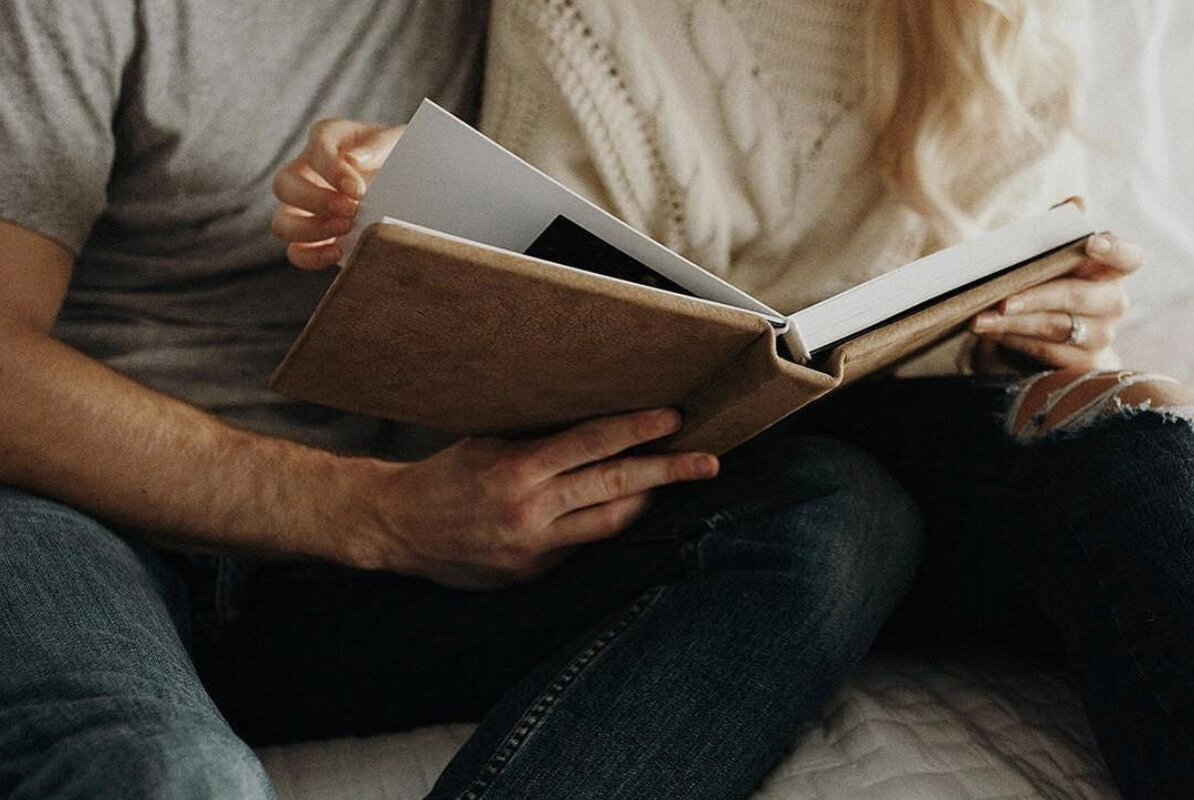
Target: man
<point>171,532</point>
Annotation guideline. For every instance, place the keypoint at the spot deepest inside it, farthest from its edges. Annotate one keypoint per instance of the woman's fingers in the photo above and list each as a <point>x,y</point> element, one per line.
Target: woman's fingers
<point>293,187</point>
<point>1070,321</point>
<point>1072,296</point>
<point>1052,354</point>
<point>347,154</point>
<point>293,225</point>
<point>320,191</point>
<point>1047,326</point>
<point>1109,250</point>
<point>324,148</point>
<point>314,256</point>
<point>372,149</point>
<point>1109,258</point>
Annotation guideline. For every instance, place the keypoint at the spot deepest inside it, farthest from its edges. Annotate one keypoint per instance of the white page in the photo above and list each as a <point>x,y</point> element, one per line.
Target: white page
<point>449,237</point>
<point>945,271</point>
<point>445,175</point>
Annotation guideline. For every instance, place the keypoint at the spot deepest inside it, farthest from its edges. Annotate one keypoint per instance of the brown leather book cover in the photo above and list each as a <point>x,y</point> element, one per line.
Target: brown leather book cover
<point>437,331</point>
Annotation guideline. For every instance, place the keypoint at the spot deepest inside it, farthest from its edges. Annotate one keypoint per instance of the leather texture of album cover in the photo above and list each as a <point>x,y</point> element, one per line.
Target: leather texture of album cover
<point>440,332</point>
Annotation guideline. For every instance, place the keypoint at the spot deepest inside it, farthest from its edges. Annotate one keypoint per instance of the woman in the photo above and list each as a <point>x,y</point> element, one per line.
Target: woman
<point>800,147</point>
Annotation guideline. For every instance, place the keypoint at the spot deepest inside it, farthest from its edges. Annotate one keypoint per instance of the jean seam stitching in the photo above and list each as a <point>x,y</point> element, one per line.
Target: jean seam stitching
<point>534,717</point>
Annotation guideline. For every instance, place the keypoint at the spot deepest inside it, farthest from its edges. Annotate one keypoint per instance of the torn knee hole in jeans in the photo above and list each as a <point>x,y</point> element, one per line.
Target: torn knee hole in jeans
<point>1061,402</point>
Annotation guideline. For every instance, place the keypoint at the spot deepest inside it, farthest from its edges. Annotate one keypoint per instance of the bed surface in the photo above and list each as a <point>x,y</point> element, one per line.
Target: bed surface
<point>974,727</point>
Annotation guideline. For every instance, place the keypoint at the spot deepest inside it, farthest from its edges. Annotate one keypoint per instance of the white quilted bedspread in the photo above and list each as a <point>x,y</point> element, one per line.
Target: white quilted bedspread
<point>899,729</point>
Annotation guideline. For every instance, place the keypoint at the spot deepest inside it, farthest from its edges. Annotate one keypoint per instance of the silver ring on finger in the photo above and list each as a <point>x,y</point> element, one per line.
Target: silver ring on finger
<point>1079,331</point>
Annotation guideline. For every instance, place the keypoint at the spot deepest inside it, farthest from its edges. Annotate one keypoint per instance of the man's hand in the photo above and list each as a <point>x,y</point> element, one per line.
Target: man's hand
<point>1068,322</point>
<point>486,512</point>
<point>321,189</point>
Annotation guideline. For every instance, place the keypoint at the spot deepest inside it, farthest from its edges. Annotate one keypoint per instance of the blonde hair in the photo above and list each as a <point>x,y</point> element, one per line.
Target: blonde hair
<point>953,85</point>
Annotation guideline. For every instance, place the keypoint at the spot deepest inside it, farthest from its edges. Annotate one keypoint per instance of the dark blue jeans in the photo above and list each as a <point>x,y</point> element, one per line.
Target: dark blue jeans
<point>1084,540</point>
<point>678,660</point>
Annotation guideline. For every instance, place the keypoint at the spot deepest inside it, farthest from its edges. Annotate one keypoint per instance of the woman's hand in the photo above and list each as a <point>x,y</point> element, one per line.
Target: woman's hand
<point>1068,322</point>
<point>321,189</point>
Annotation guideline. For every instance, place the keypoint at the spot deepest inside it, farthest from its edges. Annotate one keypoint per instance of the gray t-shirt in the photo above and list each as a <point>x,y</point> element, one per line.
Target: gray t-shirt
<point>144,134</point>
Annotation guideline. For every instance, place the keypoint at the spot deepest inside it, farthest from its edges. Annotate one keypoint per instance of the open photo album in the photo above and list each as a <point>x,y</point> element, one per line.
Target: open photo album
<point>480,296</point>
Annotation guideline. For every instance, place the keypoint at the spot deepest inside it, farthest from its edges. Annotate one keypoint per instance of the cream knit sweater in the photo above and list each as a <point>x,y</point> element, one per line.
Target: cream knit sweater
<point>730,131</point>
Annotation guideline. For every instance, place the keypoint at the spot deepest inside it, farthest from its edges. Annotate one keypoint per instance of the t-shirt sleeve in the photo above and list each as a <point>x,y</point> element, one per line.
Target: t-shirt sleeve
<point>62,62</point>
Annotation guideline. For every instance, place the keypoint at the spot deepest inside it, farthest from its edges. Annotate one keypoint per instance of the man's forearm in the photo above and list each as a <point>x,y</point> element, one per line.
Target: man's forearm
<point>74,430</point>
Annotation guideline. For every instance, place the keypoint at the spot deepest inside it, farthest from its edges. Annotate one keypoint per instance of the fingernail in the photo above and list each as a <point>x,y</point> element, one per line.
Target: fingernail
<point>339,225</point>
<point>344,206</point>
<point>1013,305</point>
<point>351,187</point>
<point>360,154</point>
<point>707,466</point>
<point>669,420</point>
<point>1099,245</point>
<point>982,322</point>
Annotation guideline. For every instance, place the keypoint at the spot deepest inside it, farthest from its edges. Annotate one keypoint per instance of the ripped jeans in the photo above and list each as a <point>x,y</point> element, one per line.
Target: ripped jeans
<point>1058,515</point>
